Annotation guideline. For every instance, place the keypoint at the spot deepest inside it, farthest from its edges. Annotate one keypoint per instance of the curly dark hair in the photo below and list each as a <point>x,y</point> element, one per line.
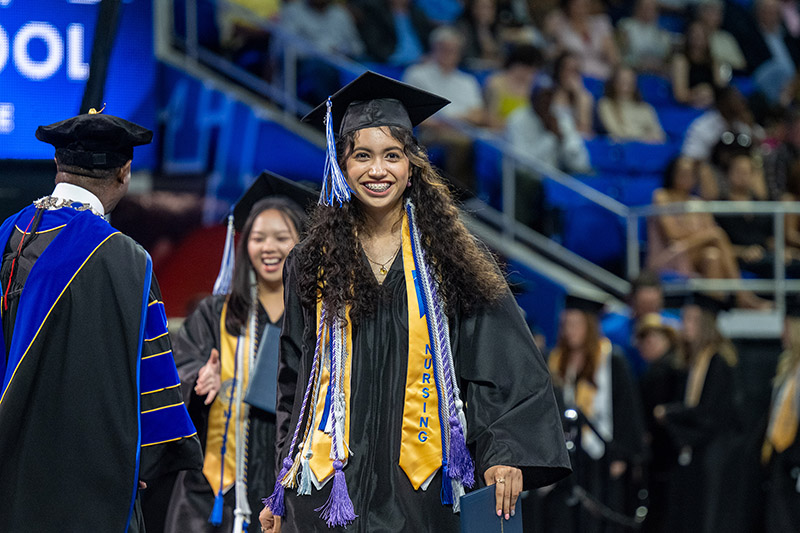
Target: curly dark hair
<point>329,260</point>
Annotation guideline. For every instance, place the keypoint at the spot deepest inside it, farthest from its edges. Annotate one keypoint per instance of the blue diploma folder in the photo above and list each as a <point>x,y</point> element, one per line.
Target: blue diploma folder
<point>479,515</point>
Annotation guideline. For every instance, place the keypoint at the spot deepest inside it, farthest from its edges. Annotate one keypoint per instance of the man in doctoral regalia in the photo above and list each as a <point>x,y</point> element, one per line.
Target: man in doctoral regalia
<point>90,404</point>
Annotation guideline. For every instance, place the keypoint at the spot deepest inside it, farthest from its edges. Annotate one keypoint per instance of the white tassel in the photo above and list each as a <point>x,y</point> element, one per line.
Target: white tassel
<point>222,285</point>
<point>458,492</point>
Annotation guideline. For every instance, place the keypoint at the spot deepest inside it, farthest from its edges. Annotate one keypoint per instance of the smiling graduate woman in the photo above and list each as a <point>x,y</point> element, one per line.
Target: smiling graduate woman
<point>224,351</point>
<point>407,372</point>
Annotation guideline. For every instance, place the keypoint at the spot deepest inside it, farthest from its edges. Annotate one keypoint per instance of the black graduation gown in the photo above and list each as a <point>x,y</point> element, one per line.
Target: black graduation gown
<point>662,383</point>
<point>90,403</point>
<point>512,417</point>
<point>782,509</point>
<point>559,510</point>
<point>193,498</point>
<point>702,493</point>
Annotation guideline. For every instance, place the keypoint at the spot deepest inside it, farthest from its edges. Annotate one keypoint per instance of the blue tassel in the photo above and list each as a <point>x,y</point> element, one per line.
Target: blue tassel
<point>275,502</point>
<point>447,487</point>
<point>216,513</point>
<point>223,283</point>
<point>334,184</point>
<point>245,525</point>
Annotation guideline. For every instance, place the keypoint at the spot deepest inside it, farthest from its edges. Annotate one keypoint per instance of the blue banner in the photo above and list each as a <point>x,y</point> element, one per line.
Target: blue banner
<point>45,48</point>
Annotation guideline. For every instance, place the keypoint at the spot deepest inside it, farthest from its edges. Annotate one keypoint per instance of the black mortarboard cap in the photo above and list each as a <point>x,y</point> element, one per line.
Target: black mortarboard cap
<point>374,100</point>
<point>271,184</point>
<point>583,303</point>
<point>94,140</point>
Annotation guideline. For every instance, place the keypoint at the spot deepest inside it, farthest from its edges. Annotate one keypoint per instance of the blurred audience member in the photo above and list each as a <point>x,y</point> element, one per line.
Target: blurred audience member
<point>792,194</point>
<point>790,13</point>
<point>691,243</point>
<point>784,159</point>
<point>703,425</point>
<point>394,31</point>
<point>329,27</point>
<point>646,298</point>
<point>241,38</point>
<point>440,75</point>
<point>622,112</point>
<point>590,37</point>
<point>724,48</point>
<point>483,47</point>
<point>571,94</point>
<point>752,236</point>
<point>592,376</point>
<point>662,383</point>
<point>547,132</point>
<point>695,73</point>
<point>324,23</point>
<point>644,44</point>
<point>510,88</point>
<point>731,114</point>
<point>772,51</point>
<point>781,450</point>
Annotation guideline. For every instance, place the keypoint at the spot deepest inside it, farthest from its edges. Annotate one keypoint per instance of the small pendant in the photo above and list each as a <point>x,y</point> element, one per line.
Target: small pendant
<point>383,271</point>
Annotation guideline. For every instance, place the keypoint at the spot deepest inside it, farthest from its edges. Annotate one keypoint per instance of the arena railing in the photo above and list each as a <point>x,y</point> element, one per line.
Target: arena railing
<point>282,91</point>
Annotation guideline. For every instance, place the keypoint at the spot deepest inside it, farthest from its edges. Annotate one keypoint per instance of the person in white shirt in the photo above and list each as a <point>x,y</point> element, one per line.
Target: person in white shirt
<point>440,75</point>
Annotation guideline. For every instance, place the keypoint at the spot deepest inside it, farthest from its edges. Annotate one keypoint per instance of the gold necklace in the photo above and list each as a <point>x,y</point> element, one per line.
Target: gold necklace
<point>382,266</point>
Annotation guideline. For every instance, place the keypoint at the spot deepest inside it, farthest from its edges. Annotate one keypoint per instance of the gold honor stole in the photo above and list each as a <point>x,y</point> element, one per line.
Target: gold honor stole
<point>783,423</point>
<point>320,442</point>
<point>421,440</point>
<point>216,415</point>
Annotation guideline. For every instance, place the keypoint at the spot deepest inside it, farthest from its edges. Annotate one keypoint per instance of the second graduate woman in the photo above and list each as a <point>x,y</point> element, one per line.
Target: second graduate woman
<point>416,373</point>
<point>239,449</point>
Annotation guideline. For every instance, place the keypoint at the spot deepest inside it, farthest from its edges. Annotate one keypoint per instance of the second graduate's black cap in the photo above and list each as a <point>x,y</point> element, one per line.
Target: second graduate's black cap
<point>373,100</point>
<point>94,140</point>
<point>583,303</point>
<point>269,184</point>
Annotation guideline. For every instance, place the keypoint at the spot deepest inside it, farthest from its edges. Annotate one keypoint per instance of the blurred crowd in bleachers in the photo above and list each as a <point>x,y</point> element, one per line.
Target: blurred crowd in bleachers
<point>648,101</point>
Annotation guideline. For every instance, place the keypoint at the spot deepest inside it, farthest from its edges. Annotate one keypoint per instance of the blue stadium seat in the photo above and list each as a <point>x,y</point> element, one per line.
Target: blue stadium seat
<point>676,119</point>
<point>595,234</point>
<point>648,158</point>
<point>605,154</point>
<point>655,90</point>
<point>594,86</point>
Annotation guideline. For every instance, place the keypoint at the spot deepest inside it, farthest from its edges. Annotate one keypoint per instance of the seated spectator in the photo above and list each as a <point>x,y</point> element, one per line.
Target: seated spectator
<point>714,183</point>
<point>695,73</point>
<point>242,40</point>
<point>394,31</point>
<point>730,113</point>
<point>792,194</point>
<point>440,75</point>
<point>324,23</point>
<point>329,27</point>
<point>483,47</point>
<point>588,36</point>
<point>691,243</point>
<point>645,298</point>
<point>571,94</point>
<point>724,48</point>
<point>644,44</point>
<point>780,162</point>
<point>623,113</point>
<point>547,132</point>
<point>771,50</point>
<point>510,88</point>
<point>751,235</point>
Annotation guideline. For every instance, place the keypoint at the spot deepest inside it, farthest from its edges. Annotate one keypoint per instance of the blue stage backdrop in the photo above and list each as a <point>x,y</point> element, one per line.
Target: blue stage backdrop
<point>45,47</point>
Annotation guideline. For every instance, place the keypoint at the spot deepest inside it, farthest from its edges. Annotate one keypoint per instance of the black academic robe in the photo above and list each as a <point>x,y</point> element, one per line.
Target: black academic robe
<point>704,483</point>
<point>511,413</point>
<point>662,383</point>
<point>782,509</point>
<point>90,402</point>
<point>193,498</point>
<point>559,509</point>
